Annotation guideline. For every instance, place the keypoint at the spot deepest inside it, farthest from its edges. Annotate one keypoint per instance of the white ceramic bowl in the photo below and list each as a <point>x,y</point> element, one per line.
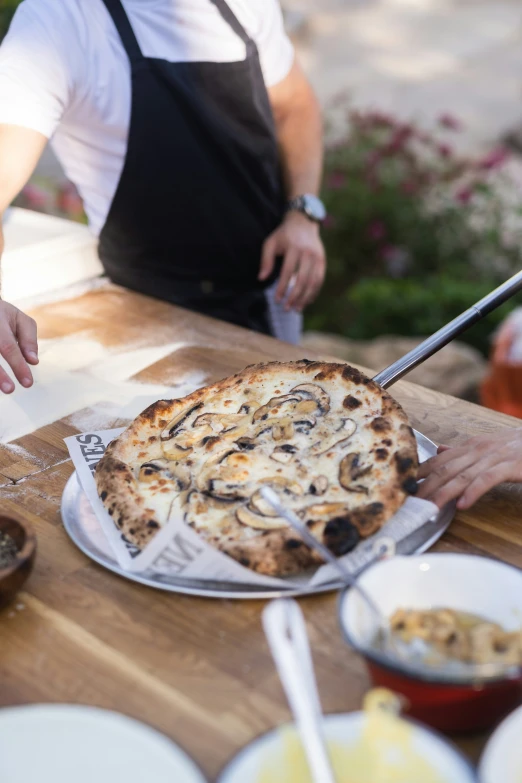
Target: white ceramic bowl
<point>446,760</point>
<point>466,583</point>
<point>502,758</point>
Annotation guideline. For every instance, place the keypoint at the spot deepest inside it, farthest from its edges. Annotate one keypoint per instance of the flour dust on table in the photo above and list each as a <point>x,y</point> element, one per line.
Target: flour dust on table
<point>77,373</point>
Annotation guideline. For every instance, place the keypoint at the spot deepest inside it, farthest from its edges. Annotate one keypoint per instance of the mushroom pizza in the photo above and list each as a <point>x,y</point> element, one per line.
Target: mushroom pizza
<point>332,443</point>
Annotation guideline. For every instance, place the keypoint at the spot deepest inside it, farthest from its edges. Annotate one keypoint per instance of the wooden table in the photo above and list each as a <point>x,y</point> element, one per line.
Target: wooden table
<point>198,670</point>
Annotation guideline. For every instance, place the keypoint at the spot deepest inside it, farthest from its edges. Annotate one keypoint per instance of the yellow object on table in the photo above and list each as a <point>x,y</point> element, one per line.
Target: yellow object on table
<point>383,754</point>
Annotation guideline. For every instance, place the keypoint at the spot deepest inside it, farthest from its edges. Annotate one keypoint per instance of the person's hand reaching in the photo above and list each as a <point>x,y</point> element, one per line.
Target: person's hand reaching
<point>18,346</point>
<point>465,473</point>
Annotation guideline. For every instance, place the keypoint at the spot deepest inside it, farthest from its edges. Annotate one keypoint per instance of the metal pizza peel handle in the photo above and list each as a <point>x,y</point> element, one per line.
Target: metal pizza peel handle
<point>432,344</point>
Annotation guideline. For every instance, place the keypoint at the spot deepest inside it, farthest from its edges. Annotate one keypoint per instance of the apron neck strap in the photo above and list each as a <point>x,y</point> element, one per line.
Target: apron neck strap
<point>232,20</point>
<point>130,42</point>
<point>124,28</point>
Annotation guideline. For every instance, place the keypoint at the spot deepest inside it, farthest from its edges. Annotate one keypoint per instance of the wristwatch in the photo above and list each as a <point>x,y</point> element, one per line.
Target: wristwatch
<point>309,205</point>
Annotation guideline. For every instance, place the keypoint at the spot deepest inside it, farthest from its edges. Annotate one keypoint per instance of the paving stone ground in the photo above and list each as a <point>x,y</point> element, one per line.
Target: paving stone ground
<point>416,58</point>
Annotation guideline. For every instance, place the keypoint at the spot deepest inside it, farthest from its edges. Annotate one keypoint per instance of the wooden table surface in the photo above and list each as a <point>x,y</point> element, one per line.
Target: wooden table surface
<point>198,670</point>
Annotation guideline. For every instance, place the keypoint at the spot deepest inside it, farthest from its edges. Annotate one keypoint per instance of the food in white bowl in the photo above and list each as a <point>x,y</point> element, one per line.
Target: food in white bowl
<point>455,696</point>
<point>502,758</point>
<point>441,598</point>
<point>373,746</point>
<point>452,635</point>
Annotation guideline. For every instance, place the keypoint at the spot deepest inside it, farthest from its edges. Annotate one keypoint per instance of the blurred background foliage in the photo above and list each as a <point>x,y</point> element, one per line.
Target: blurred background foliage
<point>7,9</point>
<point>415,233</point>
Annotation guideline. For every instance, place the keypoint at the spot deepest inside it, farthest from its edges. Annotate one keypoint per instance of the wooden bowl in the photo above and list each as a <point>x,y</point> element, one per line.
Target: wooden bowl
<point>13,577</point>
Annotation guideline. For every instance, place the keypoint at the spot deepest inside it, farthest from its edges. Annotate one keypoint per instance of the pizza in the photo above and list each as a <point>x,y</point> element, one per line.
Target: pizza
<point>335,447</point>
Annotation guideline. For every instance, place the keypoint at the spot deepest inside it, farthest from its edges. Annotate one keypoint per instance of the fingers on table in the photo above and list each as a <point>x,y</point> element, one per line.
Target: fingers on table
<point>468,472</point>
<point>27,335</point>
<point>18,346</point>
<point>489,477</point>
<point>449,474</point>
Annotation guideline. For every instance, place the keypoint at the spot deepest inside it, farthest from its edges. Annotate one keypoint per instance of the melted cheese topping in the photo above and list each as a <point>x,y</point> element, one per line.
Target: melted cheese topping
<point>315,443</point>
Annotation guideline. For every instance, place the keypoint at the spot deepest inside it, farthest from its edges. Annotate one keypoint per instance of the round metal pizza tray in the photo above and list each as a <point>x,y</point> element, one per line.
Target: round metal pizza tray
<point>83,528</point>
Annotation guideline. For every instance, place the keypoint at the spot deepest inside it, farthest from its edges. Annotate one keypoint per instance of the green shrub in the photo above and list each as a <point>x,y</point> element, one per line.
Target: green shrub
<point>7,9</point>
<point>415,234</point>
<point>408,307</point>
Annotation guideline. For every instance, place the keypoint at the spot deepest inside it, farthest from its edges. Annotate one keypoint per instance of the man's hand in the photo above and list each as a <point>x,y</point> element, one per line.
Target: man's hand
<point>297,240</point>
<point>469,471</point>
<point>20,150</point>
<point>18,346</point>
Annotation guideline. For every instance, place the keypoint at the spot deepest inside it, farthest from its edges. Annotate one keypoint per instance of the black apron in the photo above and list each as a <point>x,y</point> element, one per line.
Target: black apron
<point>201,188</point>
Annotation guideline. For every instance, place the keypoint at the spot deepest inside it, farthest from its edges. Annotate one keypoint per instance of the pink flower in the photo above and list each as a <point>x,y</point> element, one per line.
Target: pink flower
<point>409,187</point>
<point>465,195</point>
<point>444,150</point>
<point>494,159</point>
<point>35,197</point>
<point>336,180</point>
<point>69,201</point>
<point>374,158</point>
<point>381,119</point>
<point>450,122</point>
<point>376,230</point>
<point>329,222</point>
<point>389,251</point>
<point>400,138</point>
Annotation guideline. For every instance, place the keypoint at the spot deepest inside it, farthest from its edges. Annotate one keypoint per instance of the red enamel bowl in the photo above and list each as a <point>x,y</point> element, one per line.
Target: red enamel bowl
<point>478,585</point>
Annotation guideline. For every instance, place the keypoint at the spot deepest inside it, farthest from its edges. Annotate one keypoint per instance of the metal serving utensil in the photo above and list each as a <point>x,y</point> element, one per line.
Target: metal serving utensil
<point>390,641</point>
<point>432,344</point>
<point>285,631</point>
<point>414,653</point>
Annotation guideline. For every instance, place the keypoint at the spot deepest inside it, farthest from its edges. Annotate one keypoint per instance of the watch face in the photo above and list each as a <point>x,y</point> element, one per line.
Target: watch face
<point>314,208</point>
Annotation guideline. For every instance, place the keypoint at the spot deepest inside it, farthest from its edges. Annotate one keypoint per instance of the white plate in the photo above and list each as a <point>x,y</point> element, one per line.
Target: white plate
<point>443,757</point>
<point>502,758</point>
<point>85,531</point>
<point>61,743</point>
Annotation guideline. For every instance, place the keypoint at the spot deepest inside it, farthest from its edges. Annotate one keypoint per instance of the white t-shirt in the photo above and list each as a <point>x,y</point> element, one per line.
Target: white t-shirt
<point>64,73</point>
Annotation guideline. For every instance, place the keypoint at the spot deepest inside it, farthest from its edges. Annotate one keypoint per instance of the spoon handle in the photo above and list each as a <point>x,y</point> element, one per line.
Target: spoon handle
<point>285,630</point>
<point>271,497</point>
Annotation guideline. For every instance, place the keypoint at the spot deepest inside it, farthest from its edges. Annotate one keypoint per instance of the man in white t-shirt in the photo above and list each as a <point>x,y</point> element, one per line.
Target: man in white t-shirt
<point>195,142</point>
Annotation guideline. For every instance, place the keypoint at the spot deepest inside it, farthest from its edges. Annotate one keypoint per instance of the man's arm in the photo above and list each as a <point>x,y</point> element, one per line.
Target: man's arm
<point>20,150</point>
<point>300,135</point>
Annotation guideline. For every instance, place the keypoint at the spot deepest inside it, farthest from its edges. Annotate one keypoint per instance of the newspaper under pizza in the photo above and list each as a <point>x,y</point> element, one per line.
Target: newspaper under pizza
<point>336,448</point>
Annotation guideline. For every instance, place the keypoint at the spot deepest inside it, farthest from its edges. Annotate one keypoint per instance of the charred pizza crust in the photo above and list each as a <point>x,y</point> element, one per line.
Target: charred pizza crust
<point>335,446</point>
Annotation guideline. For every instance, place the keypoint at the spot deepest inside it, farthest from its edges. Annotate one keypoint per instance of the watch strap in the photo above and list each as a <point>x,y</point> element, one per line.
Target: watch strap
<point>296,203</point>
<point>300,205</point>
